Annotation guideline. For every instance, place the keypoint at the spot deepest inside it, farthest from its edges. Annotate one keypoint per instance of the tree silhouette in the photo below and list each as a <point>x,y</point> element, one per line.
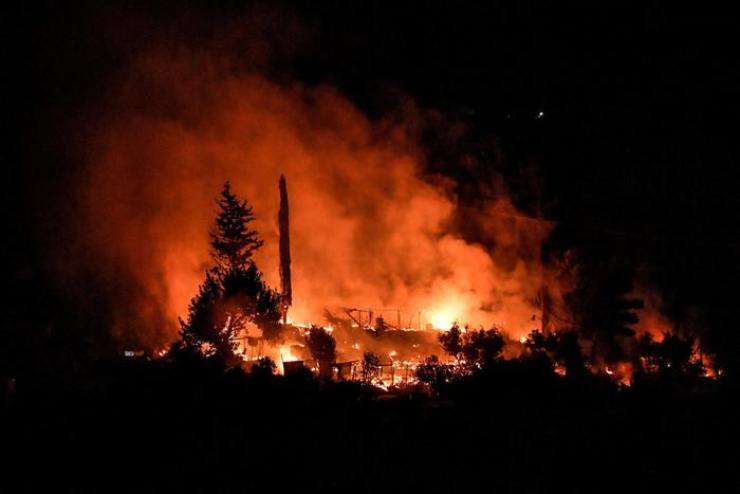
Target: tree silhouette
<point>370,364</point>
<point>452,342</point>
<point>251,300</point>
<point>671,356</point>
<point>233,293</point>
<point>433,373</point>
<point>483,347</point>
<point>539,342</point>
<point>603,310</point>
<point>567,352</point>
<point>472,348</point>
<point>264,367</point>
<point>323,348</point>
<point>207,327</point>
<point>562,347</point>
<point>232,241</point>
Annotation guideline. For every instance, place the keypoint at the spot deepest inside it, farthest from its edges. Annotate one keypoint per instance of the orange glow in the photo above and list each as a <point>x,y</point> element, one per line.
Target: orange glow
<point>442,319</point>
<point>159,161</point>
<point>369,228</point>
<point>286,355</point>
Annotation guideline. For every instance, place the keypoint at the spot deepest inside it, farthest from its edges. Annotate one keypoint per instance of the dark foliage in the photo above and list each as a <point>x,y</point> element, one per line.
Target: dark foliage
<point>207,326</point>
<point>252,299</point>
<point>233,242</point>
<point>233,293</point>
<point>672,355</point>
<point>567,352</point>
<point>602,309</point>
<point>452,342</point>
<point>482,347</point>
<point>323,348</point>
<point>264,367</point>
<point>472,348</point>
<point>370,366</point>
<point>434,373</point>
<point>189,423</point>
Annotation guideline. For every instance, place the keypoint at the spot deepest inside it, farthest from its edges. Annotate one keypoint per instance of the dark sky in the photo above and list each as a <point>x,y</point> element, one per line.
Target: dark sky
<point>636,146</point>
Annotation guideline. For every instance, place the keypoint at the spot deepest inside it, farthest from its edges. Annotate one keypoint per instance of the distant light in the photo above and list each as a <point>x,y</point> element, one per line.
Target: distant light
<point>539,115</point>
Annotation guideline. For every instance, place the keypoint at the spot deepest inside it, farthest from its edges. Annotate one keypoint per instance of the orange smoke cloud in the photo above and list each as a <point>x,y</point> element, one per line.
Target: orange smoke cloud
<point>366,229</point>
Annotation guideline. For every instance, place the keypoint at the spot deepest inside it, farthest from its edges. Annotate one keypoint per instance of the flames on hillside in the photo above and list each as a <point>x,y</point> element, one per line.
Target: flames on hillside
<point>378,252</point>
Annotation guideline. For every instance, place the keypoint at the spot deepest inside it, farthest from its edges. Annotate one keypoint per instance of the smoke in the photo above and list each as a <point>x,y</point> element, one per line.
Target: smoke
<point>367,229</point>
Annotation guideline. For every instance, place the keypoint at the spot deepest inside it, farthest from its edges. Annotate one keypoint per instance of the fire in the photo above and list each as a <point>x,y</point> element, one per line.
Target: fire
<point>345,172</point>
<point>286,355</point>
<point>442,320</point>
<point>392,238</point>
<point>444,317</point>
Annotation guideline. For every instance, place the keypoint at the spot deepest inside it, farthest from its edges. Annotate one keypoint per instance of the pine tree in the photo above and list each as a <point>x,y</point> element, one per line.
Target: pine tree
<point>603,310</point>
<point>207,327</point>
<point>251,300</point>
<point>233,293</point>
<point>323,348</point>
<point>233,242</point>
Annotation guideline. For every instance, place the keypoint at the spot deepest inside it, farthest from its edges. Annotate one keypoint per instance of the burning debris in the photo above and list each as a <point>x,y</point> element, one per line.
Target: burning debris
<point>237,316</point>
<point>379,250</point>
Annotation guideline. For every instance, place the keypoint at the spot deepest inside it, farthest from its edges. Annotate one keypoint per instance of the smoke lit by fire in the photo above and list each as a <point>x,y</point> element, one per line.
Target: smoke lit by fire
<point>367,229</point>
<point>372,231</point>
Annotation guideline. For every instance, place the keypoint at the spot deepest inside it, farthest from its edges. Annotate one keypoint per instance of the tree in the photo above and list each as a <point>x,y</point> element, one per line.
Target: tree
<point>472,348</point>
<point>538,342</point>
<point>233,242</point>
<point>370,365</point>
<point>233,293</point>
<point>603,310</point>
<point>433,373</point>
<point>672,356</point>
<point>482,347</point>
<point>323,348</point>
<point>561,347</point>
<point>264,367</point>
<point>568,353</point>
<point>207,327</point>
<point>249,299</point>
<point>452,342</point>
